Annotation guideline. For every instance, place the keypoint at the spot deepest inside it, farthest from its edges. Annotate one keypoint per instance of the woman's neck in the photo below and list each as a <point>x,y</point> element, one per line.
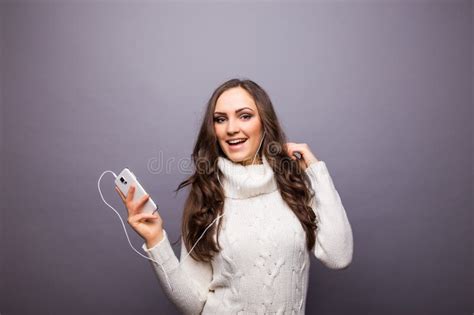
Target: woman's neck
<point>241,182</point>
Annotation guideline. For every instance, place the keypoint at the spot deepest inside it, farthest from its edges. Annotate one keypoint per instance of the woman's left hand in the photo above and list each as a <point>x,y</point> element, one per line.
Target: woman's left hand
<point>307,157</point>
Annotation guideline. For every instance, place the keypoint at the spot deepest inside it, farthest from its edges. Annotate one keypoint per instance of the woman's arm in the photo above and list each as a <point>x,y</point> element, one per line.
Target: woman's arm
<point>334,239</point>
<point>189,281</point>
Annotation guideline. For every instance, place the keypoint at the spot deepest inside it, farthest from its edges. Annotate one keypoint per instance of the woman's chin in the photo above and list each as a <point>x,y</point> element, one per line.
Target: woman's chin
<point>238,158</point>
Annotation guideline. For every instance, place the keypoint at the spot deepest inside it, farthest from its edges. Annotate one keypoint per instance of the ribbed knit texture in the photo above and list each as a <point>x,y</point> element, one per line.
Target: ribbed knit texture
<point>263,266</point>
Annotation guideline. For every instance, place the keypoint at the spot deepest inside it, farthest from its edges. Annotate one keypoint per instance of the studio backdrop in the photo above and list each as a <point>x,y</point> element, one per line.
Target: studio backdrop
<point>380,90</point>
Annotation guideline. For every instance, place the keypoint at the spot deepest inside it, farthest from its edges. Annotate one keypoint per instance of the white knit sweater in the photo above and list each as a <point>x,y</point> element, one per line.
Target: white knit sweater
<point>263,266</point>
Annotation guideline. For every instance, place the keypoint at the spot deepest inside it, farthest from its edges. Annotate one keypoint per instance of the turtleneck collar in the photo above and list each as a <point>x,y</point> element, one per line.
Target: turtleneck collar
<point>241,182</point>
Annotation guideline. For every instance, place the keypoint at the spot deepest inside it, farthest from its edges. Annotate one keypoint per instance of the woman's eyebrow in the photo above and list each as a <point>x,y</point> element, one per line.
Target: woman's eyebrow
<point>239,110</point>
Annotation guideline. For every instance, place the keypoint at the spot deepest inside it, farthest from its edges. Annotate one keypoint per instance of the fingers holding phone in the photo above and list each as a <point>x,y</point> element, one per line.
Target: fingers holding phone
<point>149,226</point>
<point>142,214</point>
<point>132,207</point>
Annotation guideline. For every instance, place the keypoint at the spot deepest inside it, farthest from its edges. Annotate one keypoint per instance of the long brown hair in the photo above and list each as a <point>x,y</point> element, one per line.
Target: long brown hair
<point>205,201</point>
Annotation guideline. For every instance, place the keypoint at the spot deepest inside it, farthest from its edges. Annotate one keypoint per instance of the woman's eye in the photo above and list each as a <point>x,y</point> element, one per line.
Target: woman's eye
<point>221,119</point>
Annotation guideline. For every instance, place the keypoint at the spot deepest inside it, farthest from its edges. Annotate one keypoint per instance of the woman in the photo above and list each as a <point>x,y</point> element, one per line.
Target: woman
<point>272,208</point>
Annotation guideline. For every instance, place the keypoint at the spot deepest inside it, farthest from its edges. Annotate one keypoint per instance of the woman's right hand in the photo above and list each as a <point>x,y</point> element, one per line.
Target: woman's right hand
<point>148,226</point>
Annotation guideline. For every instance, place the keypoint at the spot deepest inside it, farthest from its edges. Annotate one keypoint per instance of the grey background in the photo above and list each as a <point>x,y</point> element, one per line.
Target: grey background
<point>380,90</point>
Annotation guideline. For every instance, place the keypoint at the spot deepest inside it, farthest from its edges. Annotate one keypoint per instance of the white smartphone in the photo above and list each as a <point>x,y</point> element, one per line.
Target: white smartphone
<point>124,180</point>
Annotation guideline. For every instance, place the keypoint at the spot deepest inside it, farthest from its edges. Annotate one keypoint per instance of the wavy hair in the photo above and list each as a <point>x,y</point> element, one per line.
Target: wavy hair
<point>205,201</point>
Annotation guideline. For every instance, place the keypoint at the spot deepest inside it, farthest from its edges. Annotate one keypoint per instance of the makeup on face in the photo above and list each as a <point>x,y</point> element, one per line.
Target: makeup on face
<point>237,124</point>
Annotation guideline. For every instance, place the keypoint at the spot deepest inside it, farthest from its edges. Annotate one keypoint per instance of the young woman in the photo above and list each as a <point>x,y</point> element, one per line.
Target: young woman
<point>255,212</point>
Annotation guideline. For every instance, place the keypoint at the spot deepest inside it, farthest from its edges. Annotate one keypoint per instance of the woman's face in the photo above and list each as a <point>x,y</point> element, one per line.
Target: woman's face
<point>236,117</point>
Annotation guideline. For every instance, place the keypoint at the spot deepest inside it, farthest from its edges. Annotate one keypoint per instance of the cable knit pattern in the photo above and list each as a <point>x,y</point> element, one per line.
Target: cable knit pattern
<point>263,266</point>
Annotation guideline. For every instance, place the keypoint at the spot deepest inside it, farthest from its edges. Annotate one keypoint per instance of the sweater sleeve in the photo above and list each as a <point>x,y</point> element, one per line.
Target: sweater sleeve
<point>334,239</point>
<point>188,284</point>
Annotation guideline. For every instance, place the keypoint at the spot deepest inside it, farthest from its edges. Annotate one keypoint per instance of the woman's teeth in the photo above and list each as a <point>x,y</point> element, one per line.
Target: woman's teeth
<point>236,142</point>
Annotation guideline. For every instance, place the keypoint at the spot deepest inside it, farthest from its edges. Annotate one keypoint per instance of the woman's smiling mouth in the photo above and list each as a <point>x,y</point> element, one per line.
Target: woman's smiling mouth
<point>236,144</point>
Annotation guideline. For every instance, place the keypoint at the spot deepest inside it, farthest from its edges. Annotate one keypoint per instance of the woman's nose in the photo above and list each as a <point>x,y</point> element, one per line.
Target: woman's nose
<point>232,127</point>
